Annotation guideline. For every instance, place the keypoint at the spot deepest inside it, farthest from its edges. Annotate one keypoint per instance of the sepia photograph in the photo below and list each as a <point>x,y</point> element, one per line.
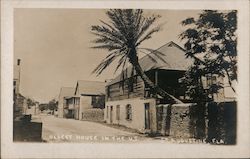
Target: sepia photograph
<point>116,74</point>
<point>130,75</point>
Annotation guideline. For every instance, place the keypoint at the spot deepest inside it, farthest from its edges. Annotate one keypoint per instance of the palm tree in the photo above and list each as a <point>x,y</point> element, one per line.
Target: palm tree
<point>128,28</point>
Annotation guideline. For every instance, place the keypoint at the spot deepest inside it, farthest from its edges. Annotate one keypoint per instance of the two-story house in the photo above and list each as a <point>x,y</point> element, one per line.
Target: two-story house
<point>85,101</point>
<point>65,93</point>
<point>129,101</point>
<point>89,97</point>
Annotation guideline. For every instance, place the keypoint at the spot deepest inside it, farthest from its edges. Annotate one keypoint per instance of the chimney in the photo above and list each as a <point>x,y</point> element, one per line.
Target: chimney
<point>18,62</point>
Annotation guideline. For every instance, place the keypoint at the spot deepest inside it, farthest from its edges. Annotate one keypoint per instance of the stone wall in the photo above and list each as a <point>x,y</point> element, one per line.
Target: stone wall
<point>181,123</point>
<point>93,114</point>
<point>215,122</point>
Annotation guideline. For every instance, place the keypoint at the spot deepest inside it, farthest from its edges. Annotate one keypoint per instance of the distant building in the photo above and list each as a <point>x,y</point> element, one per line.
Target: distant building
<point>89,95</point>
<point>20,102</point>
<point>65,92</point>
<point>16,80</point>
<point>84,102</point>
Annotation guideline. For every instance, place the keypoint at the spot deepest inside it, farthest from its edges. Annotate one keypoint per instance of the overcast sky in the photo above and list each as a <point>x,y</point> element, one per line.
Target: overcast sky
<point>54,46</point>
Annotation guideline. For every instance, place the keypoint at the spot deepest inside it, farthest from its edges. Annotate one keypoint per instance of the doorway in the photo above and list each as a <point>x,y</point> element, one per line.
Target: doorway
<point>111,114</point>
<point>147,116</point>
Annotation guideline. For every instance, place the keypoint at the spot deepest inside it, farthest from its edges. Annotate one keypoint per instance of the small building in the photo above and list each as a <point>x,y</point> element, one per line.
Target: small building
<point>85,101</point>
<point>19,101</point>
<point>89,98</point>
<point>65,93</point>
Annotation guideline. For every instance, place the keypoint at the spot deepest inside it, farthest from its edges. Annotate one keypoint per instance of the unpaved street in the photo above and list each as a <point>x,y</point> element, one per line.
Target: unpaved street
<point>70,130</point>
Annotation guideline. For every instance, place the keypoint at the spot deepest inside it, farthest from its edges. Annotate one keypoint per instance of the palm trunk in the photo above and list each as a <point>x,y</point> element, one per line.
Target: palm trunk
<point>150,84</point>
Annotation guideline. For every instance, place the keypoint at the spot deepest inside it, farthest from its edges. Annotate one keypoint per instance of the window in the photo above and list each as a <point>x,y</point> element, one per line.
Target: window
<point>211,80</point>
<point>77,101</point>
<point>118,112</point>
<point>147,116</point>
<point>121,87</point>
<point>128,112</point>
<point>108,91</point>
<point>130,83</point>
<point>214,80</point>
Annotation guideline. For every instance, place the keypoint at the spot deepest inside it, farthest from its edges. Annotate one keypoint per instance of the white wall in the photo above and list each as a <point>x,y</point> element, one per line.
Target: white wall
<point>85,103</point>
<point>138,113</point>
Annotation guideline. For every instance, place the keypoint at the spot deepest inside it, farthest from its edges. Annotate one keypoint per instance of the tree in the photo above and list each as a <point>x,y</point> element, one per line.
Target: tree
<point>211,41</point>
<point>43,106</point>
<point>30,102</point>
<point>127,30</point>
<point>52,105</point>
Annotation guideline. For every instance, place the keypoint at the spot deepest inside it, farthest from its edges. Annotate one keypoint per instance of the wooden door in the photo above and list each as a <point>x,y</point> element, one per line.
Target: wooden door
<point>111,114</point>
<point>147,116</point>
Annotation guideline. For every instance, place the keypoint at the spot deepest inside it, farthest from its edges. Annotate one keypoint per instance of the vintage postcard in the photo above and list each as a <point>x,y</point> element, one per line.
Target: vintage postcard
<point>120,79</point>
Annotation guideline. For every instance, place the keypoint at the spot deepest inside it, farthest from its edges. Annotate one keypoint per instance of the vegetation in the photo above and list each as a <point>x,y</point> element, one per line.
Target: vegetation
<point>122,36</point>
<point>31,102</point>
<point>211,41</point>
<point>52,105</point>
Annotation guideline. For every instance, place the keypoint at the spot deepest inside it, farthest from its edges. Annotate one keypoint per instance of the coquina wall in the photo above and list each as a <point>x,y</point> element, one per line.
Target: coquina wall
<point>215,122</point>
<point>175,120</point>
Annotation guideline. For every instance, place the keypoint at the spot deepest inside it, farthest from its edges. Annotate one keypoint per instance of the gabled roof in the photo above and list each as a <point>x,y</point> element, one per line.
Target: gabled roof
<point>172,57</point>
<point>67,92</point>
<point>90,87</point>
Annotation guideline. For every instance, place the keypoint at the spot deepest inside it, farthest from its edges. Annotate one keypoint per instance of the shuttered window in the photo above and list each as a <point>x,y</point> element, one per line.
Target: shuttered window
<point>128,112</point>
<point>118,112</point>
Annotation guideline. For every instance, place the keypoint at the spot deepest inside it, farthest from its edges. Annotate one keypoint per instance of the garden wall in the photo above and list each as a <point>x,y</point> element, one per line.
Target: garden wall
<point>93,114</point>
<point>215,122</point>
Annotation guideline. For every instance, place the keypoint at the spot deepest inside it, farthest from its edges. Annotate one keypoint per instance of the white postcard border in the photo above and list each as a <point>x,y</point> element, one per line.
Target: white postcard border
<point>76,150</point>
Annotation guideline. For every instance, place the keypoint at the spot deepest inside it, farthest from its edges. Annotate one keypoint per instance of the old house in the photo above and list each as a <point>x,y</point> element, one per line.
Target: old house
<point>65,93</point>
<point>88,100</point>
<point>132,104</point>
<point>85,101</point>
<point>129,101</point>
<point>19,101</point>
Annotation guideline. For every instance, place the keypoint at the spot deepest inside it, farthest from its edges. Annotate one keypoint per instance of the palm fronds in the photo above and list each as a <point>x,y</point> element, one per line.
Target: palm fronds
<point>127,29</point>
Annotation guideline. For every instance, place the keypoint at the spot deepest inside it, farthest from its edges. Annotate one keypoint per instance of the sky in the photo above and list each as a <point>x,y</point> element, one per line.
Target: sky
<point>54,46</point>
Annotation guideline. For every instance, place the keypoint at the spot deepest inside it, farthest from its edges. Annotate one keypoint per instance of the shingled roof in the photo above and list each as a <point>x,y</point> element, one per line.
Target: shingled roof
<point>172,58</point>
<point>90,87</point>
